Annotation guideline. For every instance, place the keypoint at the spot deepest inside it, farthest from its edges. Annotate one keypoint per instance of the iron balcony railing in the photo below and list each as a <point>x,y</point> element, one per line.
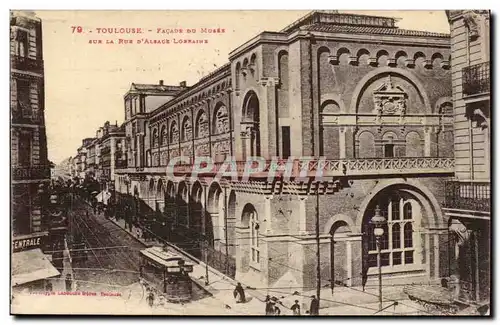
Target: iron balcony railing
<point>26,117</point>
<point>328,167</point>
<point>26,64</point>
<point>476,79</point>
<point>473,196</point>
<point>27,173</point>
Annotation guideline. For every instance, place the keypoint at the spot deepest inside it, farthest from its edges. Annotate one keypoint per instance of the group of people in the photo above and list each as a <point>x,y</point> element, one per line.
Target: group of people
<point>272,303</point>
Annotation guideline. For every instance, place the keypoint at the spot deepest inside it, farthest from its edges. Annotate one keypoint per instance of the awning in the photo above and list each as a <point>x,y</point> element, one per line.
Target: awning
<point>31,265</point>
<point>103,197</point>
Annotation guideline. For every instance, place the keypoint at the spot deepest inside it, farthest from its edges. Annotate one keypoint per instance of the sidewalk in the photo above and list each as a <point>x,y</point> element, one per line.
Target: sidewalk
<point>59,284</point>
<point>343,301</point>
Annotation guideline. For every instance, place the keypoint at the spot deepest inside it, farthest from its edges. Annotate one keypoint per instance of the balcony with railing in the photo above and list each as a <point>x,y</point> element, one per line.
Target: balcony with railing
<point>26,64</point>
<point>476,79</point>
<point>299,168</point>
<point>26,116</point>
<point>21,173</point>
<point>470,196</point>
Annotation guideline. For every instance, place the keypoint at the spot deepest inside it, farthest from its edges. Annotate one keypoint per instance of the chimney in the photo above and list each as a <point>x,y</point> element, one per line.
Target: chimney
<point>182,84</point>
<point>161,82</point>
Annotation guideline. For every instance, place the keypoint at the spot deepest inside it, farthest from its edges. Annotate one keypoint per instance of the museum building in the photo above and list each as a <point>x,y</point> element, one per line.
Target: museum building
<point>374,100</point>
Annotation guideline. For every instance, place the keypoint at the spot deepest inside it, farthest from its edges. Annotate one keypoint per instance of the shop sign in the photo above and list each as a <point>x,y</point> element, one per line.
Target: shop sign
<point>28,242</point>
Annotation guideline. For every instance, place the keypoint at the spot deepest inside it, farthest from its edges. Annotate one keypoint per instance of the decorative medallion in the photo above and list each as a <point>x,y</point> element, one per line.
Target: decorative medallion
<point>389,99</point>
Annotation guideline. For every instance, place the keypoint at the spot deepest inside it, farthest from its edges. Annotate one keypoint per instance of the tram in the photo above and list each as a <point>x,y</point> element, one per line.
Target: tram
<point>168,273</point>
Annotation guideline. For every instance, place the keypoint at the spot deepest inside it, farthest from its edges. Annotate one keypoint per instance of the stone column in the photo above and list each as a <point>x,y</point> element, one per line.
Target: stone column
<point>342,143</point>
<point>268,118</point>
<point>356,244</point>
<point>349,262</point>
<point>246,144</point>
<point>427,142</point>
<point>242,251</point>
<point>302,213</point>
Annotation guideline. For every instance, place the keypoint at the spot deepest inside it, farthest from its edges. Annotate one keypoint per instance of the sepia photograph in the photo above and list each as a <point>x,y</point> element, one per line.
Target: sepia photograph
<point>250,163</point>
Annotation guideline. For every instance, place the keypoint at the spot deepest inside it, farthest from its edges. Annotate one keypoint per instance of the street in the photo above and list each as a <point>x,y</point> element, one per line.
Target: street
<point>113,256</point>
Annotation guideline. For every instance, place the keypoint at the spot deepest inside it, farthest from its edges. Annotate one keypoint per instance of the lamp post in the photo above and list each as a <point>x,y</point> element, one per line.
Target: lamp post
<point>378,221</point>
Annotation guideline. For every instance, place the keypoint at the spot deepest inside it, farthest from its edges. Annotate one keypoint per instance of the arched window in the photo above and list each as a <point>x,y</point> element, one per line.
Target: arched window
<point>254,235</point>
<point>155,138</point>
<point>397,244</point>
<point>163,136</point>
<point>174,133</point>
<point>201,125</point>
<point>186,129</point>
<point>221,120</point>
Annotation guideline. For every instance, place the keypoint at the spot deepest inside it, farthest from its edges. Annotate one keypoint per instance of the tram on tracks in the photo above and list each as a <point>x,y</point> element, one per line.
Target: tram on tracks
<point>168,273</point>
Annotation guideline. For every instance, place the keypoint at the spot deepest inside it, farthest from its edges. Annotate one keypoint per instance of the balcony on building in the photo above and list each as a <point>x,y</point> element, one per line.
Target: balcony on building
<point>26,116</point>
<point>355,167</point>
<point>25,63</point>
<point>476,80</point>
<point>469,197</point>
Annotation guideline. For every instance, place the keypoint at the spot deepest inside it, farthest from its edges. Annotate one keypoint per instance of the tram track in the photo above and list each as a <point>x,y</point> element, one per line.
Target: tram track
<point>115,254</point>
<point>114,257</point>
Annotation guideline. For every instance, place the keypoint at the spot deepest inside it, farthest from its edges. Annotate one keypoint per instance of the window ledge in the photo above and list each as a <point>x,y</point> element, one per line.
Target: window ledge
<point>397,269</point>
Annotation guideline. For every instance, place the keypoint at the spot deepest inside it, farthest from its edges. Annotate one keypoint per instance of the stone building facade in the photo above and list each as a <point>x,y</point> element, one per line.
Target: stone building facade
<point>30,168</point>
<point>372,99</point>
<point>468,195</point>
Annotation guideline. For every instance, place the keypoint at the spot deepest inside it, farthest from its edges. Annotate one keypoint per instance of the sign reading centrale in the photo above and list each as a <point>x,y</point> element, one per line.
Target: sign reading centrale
<point>32,241</point>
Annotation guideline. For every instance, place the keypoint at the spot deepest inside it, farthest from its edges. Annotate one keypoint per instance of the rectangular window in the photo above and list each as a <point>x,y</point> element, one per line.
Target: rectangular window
<point>285,135</point>
<point>22,43</point>
<point>24,150</point>
<point>396,258</point>
<point>389,151</point>
<point>408,257</point>
<point>23,97</point>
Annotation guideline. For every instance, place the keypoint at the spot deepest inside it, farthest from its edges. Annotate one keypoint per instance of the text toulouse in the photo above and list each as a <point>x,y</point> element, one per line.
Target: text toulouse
<point>126,30</point>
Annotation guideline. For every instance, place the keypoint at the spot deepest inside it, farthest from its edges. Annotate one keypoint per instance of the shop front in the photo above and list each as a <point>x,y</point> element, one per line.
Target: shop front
<point>31,269</point>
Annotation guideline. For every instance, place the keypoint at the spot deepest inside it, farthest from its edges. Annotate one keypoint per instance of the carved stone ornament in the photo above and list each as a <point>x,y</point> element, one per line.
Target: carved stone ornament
<point>461,231</point>
<point>389,99</point>
<point>470,20</point>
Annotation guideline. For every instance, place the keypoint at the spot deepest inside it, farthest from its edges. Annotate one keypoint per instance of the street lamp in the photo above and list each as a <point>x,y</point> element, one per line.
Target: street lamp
<point>378,221</point>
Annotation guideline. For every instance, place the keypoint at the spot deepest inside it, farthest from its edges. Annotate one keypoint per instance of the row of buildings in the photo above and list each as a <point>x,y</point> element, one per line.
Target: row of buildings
<point>401,116</point>
<point>98,157</point>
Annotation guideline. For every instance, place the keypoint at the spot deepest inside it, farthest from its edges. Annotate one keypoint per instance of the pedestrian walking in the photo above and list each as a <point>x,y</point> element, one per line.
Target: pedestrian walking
<point>48,287</point>
<point>239,293</point>
<point>314,309</point>
<point>269,305</point>
<point>69,282</point>
<point>296,308</point>
<point>276,310</point>
<point>151,299</point>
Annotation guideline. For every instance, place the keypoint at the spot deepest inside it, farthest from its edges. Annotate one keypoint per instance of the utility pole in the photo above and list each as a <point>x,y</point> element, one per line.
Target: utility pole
<point>225,230</point>
<point>318,266</point>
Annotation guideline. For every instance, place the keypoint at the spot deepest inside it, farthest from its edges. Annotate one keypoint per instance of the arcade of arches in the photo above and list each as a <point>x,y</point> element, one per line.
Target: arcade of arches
<point>254,239</point>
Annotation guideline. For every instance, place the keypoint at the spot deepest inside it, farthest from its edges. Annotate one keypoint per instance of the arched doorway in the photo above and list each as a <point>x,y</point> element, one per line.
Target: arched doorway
<point>180,235</point>
<point>215,215</point>
<point>231,222</point>
<point>340,250</point>
<point>250,125</point>
<point>151,192</point>
<point>159,196</point>
<point>195,215</point>
<point>402,242</point>
<point>248,242</point>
